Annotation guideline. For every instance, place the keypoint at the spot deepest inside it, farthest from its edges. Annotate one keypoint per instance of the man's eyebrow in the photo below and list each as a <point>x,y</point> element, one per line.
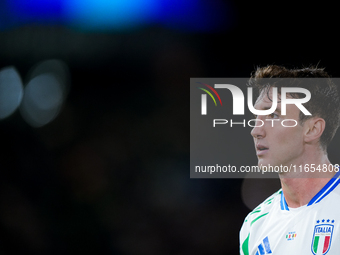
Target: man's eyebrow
<point>278,108</point>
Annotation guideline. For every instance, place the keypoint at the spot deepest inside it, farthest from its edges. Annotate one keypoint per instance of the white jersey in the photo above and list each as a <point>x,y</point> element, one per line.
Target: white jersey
<point>274,228</point>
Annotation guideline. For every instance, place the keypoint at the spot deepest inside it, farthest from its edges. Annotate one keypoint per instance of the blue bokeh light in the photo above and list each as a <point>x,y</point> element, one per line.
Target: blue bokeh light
<point>120,15</point>
<point>36,11</point>
<point>196,15</point>
<point>106,14</point>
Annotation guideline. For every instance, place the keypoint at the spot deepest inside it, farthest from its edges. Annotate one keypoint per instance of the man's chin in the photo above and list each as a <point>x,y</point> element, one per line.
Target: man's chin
<point>267,166</point>
<point>261,162</point>
<point>265,163</point>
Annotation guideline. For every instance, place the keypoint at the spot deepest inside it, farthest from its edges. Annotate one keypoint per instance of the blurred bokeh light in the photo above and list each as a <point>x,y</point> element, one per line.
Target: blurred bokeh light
<point>11,91</point>
<point>58,68</point>
<point>41,11</point>
<point>106,14</point>
<point>121,15</point>
<point>255,190</point>
<point>43,97</point>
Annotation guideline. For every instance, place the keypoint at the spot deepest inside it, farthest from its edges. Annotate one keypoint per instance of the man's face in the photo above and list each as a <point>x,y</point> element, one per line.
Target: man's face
<point>275,144</point>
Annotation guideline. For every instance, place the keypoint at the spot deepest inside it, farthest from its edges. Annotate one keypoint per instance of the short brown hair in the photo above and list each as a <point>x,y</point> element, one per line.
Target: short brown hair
<point>324,102</point>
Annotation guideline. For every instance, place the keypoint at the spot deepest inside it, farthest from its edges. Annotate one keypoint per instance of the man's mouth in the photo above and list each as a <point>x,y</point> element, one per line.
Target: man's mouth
<point>261,149</point>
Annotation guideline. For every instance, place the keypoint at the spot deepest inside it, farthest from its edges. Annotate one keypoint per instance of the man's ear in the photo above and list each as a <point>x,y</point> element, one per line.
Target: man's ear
<point>314,128</point>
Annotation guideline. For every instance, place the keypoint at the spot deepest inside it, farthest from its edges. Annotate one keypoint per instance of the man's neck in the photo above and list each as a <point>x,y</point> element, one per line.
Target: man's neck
<point>300,187</point>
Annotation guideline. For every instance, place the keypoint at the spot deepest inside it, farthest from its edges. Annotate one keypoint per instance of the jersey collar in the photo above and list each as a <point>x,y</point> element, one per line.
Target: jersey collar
<point>283,202</point>
<point>331,185</point>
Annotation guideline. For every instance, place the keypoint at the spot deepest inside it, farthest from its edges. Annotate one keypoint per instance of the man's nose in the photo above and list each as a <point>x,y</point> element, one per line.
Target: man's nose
<point>258,130</point>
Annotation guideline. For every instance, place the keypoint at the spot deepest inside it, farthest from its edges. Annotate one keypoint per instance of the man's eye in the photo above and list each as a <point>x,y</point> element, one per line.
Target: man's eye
<point>274,116</point>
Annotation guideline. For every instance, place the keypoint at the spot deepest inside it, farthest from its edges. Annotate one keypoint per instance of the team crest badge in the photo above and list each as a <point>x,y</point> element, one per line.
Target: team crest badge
<point>322,236</point>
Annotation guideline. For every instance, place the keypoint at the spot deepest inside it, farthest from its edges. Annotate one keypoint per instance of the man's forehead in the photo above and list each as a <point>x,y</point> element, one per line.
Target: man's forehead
<point>265,101</point>
<point>266,96</point>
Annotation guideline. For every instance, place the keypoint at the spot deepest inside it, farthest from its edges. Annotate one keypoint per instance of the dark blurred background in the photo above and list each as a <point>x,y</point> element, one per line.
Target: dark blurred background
<point>94,108</point>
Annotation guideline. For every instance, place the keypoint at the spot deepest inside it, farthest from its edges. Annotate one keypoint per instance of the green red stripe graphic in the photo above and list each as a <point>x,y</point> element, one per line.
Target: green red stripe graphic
<point>213,90</point>
<point>315,244</point>
<point>325,244</point>
<point>209,95</point>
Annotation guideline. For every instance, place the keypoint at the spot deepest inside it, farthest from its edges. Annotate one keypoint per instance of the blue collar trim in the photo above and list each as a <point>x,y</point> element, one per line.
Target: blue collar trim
<point>327,189</point>
<point>332,184</point>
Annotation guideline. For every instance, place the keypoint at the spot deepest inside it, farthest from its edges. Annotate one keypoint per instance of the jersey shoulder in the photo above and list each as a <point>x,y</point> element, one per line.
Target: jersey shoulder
<point>263,209</point>
<point>255,216</point>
